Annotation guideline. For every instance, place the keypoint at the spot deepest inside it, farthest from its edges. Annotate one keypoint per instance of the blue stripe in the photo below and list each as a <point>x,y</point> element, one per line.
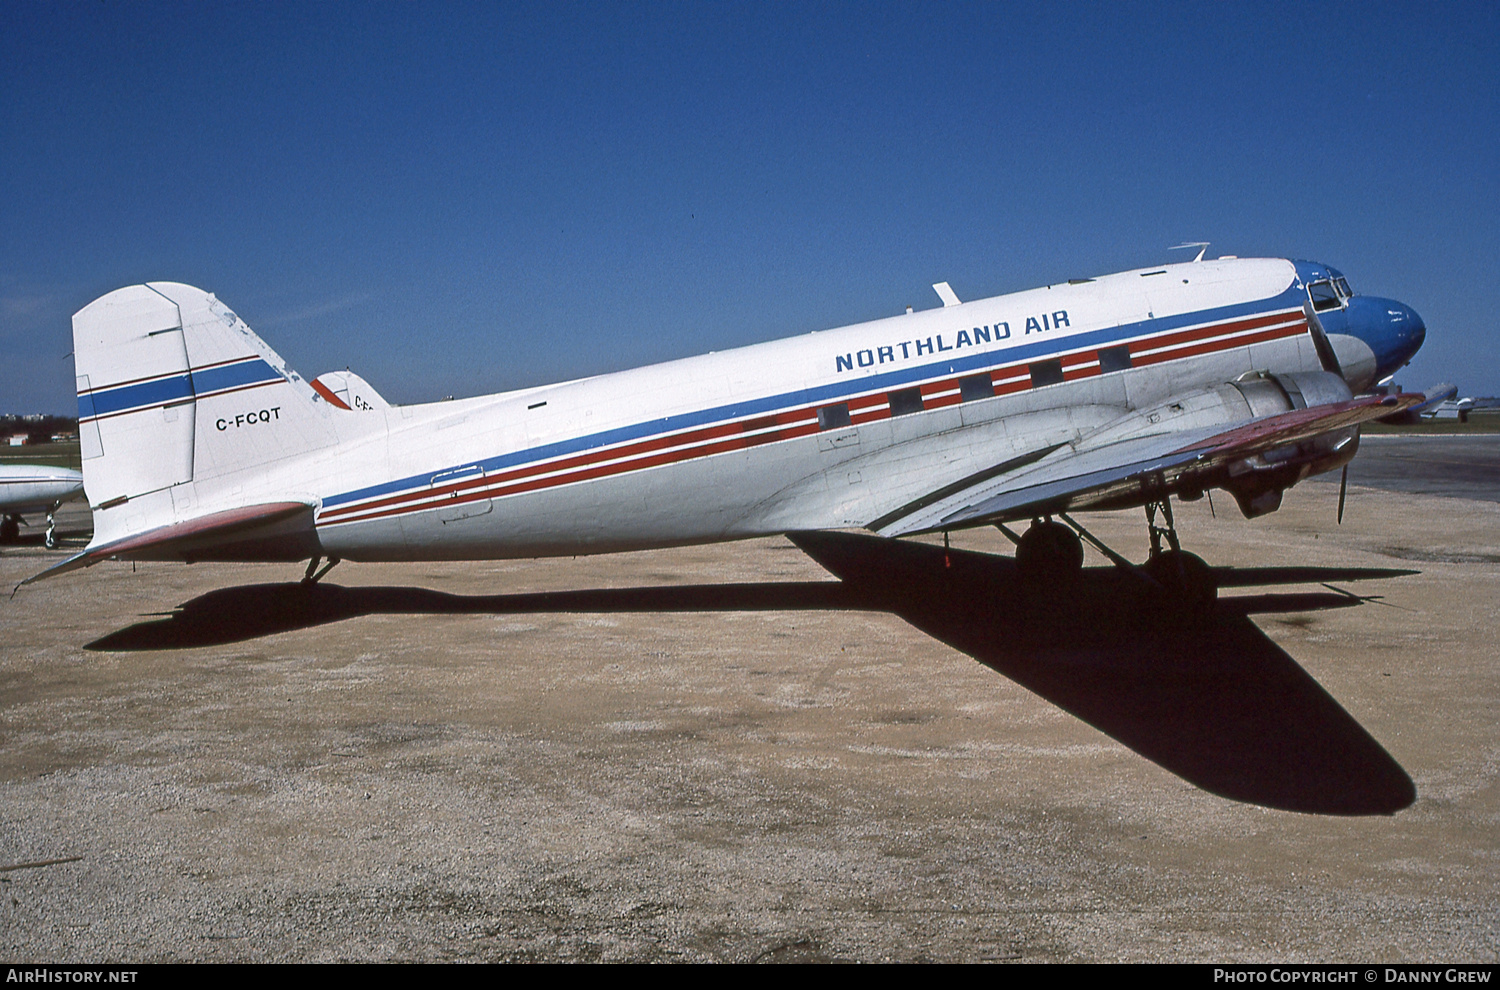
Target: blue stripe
<point>164,391</point>
<point>824,394</point>
<point>232,376</point>
<point>144,395</point>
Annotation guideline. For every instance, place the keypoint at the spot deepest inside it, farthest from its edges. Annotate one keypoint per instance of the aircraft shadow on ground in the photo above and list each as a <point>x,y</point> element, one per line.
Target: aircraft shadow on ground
<point>1207,697</point>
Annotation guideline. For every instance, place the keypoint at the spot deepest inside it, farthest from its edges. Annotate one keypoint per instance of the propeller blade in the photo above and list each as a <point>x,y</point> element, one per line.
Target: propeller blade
<point>1321,344</point>
<point>1343,488</point>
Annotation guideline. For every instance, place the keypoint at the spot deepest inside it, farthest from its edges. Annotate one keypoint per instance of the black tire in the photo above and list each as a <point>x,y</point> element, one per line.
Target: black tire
<point>10,530</point>
<point>1049,553</point>
<point>1185,577</point>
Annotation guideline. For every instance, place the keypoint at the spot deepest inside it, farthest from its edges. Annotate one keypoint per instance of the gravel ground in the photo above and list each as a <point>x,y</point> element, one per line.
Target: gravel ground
<point>794,784</point>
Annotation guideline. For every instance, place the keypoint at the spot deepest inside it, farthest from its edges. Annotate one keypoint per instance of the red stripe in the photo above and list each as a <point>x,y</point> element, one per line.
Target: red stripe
<point>1212,330</point>
<point>732,436</point>
<point>1209,347</point>
<point>328,394</point>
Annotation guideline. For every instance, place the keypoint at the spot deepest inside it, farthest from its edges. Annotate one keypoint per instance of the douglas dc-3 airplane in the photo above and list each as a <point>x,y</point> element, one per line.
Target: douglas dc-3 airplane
<point>199,444</point>
<point>34,488</point>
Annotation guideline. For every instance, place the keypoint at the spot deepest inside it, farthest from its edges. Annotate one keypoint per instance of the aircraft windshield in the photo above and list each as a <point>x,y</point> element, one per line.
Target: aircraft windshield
<point>1323,295</point>
<point>1342,284</point>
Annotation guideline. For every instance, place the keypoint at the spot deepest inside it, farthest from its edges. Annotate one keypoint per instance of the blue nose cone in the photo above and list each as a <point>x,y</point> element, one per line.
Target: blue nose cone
<point>1391,329</point>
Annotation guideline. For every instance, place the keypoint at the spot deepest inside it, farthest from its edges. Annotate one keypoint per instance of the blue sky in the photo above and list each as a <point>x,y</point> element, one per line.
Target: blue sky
<point>453,199</point>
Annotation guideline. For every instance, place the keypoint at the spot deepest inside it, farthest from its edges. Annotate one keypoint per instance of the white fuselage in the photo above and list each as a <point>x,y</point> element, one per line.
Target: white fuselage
<point>36,487</point>
<point>818,431</point>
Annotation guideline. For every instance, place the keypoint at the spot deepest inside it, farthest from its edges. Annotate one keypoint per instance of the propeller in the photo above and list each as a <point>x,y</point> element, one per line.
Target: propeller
<point>1321,344</point>
<point>1330,362</point>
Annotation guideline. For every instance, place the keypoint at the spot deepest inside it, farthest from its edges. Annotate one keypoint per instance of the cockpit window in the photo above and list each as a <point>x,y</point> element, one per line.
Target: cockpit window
<point>1342,284</point>
<point>1323,295</point>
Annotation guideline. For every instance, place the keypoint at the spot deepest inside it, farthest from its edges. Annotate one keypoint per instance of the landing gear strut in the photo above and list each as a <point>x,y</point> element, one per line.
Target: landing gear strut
<point>1157,532</point>
<point>1185,577</point>
<point>312,566</point>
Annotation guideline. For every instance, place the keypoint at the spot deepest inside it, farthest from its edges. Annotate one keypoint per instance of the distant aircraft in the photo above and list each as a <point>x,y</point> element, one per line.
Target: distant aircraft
<point>1451,408</point>
<point>34,488</point>
<point>199,444</point>
<point>1432,397</point>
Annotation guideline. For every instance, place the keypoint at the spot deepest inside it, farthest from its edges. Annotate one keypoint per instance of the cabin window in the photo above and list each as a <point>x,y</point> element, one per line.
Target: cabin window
<point>1046,373</point>
<point>833,417</point>
<point>976,387</point>
<point>1114,358</point>
<point>1323,295</point>
<point>907,400</point>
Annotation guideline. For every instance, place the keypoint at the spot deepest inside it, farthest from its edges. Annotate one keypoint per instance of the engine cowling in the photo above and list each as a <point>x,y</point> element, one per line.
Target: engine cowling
<point>1257,481</point>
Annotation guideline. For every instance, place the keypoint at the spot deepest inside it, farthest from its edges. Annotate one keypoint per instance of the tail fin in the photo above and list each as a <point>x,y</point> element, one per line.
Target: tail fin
<point>346,390</point>
<point>178,403</point>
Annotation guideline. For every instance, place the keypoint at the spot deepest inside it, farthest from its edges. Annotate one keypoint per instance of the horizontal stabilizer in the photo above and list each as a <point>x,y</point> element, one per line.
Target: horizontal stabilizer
<point>282,529</point>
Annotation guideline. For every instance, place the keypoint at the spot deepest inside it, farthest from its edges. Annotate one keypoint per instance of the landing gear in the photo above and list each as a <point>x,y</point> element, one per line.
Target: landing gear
<point>10,529</point>
<point>1049,553</point>
<point>51,538</point>
<point>313,575</point>
<point>1186,578</point>
<point>1157,532</point>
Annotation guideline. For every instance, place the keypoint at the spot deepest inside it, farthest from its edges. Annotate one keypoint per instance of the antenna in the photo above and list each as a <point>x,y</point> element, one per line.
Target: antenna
<point>945,293</point>
<point>1202,246</point>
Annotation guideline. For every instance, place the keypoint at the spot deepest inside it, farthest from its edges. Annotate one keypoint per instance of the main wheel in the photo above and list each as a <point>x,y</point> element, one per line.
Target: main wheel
<point>1185,577</point>
<point>10,530</point>
<point>1049,552</point>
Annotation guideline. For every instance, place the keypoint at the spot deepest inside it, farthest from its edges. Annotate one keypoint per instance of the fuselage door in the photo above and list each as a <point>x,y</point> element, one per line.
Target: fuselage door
<point>460,493</point>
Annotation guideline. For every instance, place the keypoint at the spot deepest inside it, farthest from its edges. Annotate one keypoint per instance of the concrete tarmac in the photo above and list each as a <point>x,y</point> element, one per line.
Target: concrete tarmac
<point>1457,465</point>
<point>773,778</point>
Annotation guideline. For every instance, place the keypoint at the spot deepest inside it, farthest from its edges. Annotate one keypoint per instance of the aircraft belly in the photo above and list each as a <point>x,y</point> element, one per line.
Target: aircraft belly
<point>374,540</point>
<point>32,497</point>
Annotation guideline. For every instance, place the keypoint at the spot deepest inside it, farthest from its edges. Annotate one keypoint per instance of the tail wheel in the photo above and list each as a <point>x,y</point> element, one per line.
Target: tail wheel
<point>1049,552</point>
<point>1187,579</point>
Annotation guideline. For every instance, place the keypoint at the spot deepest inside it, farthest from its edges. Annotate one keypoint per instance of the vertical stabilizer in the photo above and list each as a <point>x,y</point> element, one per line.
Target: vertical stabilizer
<point>135,395</point>
<point>178,403</point>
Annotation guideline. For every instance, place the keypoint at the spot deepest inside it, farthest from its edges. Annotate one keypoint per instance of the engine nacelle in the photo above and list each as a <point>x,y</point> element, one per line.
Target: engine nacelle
<point>1257,481</point>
